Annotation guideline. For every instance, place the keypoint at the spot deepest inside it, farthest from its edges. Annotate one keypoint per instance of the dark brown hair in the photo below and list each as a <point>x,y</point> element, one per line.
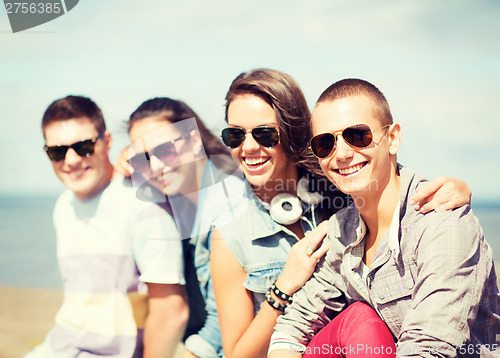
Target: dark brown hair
<point>72,107</point>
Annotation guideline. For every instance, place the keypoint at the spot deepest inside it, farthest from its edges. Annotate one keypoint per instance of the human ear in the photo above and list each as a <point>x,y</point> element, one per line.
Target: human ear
<point>394,136</point>
<point>107,140</point>
<point>197,144</point>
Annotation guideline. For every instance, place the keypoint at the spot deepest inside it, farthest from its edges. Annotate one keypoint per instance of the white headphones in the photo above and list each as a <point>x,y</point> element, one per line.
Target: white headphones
<point>286,208</point>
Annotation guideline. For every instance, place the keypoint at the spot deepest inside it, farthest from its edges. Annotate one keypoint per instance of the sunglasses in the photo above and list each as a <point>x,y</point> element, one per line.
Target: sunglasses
<point>84,148</point>
<point>265,136</point>
<point>166,152</point>
<point>357,136</point>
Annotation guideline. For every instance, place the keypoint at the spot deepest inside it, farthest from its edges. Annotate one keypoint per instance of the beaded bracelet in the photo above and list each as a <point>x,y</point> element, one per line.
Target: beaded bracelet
<point>280,294</point>
<point>274,304</point>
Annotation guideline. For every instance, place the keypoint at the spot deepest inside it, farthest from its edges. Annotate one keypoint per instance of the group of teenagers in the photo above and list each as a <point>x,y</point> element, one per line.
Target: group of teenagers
<point>291,235</point>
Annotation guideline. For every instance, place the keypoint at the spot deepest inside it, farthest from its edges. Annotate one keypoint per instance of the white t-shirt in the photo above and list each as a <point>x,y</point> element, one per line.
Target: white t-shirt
<point>107,247</point>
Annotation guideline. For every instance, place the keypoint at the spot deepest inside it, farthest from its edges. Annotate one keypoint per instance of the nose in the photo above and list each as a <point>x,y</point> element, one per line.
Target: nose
<point>156,165</point>
<point>343,151</point>
<point>250,144</point>
<point>72,157</point>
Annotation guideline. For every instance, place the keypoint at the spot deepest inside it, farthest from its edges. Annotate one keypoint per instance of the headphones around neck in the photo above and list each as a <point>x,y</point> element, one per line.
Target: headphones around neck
<point>286,208</point>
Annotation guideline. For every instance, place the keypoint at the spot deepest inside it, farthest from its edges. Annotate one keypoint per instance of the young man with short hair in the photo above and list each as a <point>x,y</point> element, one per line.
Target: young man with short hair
<point>429,277</point>
<point>120,258</point>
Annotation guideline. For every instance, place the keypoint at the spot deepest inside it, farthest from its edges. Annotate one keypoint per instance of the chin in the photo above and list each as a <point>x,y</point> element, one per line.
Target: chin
<point>258,180</point>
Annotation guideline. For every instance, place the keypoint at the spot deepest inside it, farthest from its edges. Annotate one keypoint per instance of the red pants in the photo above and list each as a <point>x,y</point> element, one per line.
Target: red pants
<point>356,332</point>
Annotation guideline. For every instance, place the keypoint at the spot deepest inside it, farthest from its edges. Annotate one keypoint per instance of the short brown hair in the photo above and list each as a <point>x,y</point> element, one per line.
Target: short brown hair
<point>71,107</point>
<point>353,87</point>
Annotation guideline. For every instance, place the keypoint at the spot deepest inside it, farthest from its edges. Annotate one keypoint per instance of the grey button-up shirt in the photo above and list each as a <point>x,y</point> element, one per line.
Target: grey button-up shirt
<point>432,281</point>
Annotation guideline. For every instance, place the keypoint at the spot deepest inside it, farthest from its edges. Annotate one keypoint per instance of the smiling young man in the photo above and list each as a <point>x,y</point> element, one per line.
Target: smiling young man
<point>120,258</point>
<point>429,277</point>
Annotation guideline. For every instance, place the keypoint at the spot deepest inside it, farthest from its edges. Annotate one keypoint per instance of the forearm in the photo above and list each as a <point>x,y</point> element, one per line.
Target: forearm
<point>254,342</point>
<point>314,305</point>
<point>161,336</point>
<point>166,321</point>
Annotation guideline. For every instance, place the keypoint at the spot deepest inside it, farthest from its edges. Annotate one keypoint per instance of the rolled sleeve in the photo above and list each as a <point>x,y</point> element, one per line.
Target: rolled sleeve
<point>314,305</point>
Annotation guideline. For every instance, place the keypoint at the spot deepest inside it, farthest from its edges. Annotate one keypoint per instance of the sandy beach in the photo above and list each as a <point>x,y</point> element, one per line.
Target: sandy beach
<point>26,316</point>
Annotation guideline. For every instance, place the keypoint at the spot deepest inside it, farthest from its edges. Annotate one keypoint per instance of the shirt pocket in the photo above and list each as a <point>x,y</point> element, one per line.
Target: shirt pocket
<point>260,278</point>
<point>391,292</point>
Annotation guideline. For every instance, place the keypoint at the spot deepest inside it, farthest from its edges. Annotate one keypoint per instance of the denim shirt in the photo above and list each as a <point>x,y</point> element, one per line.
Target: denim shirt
<point>219,192</point>
<point>260,244</point>
<point>432,281</point>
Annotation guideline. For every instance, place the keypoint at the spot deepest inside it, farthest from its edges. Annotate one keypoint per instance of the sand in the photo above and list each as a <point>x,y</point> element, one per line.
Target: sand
<point>26,315</point>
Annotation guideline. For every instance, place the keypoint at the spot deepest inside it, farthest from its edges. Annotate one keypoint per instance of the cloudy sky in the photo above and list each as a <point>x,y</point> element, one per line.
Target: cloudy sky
<point>438,62</point>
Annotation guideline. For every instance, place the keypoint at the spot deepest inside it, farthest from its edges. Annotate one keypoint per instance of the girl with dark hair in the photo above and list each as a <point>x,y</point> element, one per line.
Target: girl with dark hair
<point>178,163</point>
<point>268,250</point>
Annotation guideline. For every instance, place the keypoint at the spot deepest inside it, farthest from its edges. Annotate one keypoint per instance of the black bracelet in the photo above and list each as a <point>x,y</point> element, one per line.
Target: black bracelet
<point>274,304</point>
<point>280,294</point>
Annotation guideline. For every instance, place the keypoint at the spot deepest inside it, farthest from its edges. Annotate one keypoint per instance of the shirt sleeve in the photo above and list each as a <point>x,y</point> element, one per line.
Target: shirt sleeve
<point>315,304</point>
<point>157,246</point>
<point>453,269</point>
<point>285,342</point>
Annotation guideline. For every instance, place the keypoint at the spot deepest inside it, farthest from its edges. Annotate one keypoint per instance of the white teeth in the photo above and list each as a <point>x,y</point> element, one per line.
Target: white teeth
<point>350,170</point>
<point>255,161</point>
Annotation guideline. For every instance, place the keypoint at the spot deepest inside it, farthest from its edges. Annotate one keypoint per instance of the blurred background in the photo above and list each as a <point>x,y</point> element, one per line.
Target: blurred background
<point>437,62</point>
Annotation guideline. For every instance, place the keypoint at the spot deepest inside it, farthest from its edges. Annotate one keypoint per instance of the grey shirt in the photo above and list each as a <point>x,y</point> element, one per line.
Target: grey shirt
<point>432,281</point>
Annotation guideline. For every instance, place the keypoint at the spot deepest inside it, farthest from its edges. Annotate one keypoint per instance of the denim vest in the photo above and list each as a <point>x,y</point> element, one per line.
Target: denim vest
<point>260,244</point>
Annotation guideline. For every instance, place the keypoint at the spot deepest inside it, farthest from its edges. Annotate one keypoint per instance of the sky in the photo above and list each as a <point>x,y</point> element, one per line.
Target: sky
<point>437,62</point>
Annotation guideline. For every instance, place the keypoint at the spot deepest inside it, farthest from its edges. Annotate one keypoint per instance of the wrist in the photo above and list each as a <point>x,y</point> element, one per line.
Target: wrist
<point>274,302</point>
<point>285,287</point>
<point>281,295</point>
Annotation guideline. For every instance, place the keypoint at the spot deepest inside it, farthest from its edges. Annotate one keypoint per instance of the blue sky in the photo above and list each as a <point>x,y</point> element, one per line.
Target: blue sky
<point>436,61</point>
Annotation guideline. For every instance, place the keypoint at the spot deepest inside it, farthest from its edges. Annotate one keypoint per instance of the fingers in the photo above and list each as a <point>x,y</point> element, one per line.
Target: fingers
<point>426,207</point>
<point>313,238</point>
<point>425,192</point>
<point>122,165</point>
<point>320,252</point>
<point>441,194</point>
<point>447,206</point>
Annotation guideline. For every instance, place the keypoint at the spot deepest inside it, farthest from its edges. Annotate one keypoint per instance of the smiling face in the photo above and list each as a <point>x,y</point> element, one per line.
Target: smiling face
<point>264,168</point>
<point>356,171</point>
<point>171,168</point>
<point>82,175</point>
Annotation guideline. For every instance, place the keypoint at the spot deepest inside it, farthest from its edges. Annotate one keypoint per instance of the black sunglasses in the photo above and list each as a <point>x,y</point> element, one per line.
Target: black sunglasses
<point>84,148</point>
<point>357,136</point>
<point>265,136</point>
<point>166,152</point>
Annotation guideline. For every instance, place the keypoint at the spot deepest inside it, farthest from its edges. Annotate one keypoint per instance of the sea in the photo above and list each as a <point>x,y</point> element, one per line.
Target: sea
<point>28,243</point>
